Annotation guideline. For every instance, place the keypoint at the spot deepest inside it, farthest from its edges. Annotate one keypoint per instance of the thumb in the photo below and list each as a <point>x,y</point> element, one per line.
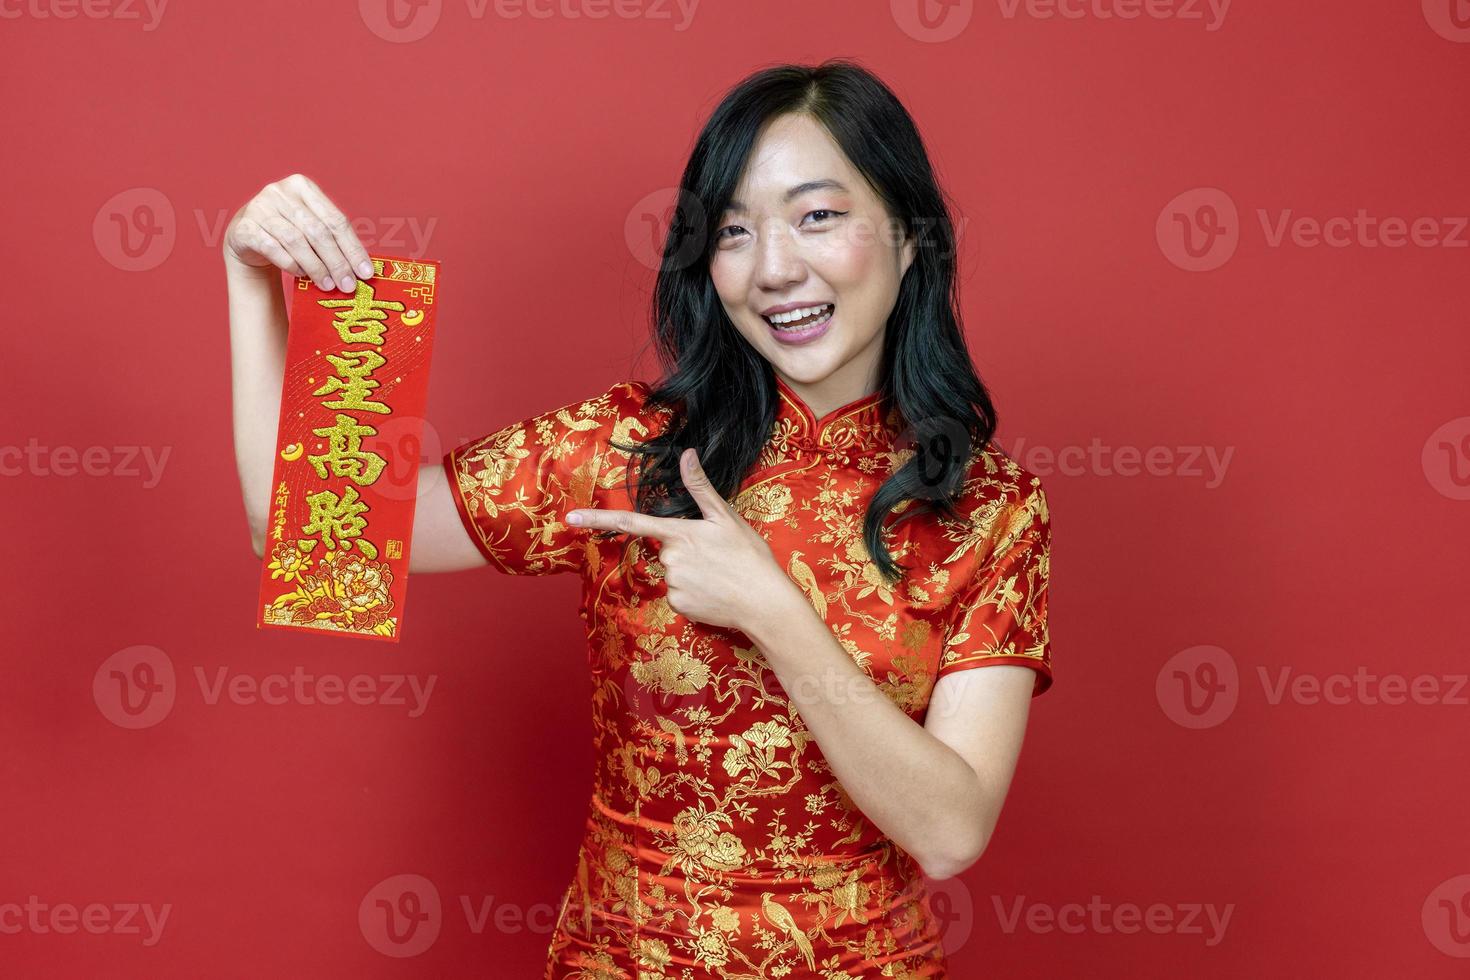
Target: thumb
<point>710,503</point>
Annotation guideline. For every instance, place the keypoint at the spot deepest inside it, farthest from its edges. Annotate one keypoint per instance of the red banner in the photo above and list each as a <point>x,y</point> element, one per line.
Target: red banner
<point>347,453</point>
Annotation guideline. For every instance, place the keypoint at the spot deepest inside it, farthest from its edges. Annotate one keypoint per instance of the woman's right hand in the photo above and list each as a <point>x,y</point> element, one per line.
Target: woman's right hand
<point>292,225</point>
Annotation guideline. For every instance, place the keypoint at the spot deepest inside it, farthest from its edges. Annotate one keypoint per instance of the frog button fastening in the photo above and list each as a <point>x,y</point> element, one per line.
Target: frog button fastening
<point>827,449</point>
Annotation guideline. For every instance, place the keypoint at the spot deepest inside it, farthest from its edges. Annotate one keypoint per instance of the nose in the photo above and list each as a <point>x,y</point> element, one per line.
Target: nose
<point>779,261</point>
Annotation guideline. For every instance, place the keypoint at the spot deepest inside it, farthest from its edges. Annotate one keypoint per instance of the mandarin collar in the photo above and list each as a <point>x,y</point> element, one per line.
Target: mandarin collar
<point>869,422</point>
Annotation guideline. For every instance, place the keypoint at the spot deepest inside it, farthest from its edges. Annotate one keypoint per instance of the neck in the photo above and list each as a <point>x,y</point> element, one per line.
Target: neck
<point>842,387</point>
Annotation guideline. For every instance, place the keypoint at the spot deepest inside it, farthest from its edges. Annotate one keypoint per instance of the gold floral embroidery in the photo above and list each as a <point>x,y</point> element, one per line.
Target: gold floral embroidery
<point>719,844</point>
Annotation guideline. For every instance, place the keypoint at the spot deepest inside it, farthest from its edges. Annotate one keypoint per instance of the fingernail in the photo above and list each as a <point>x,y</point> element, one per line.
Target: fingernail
<point>347,285</point>
<point>365,269</point>
<point>574,518</point>
<point>327,282</point>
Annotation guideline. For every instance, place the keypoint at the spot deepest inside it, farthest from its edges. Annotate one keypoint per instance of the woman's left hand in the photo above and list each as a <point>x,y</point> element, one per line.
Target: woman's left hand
<point>718,570</point>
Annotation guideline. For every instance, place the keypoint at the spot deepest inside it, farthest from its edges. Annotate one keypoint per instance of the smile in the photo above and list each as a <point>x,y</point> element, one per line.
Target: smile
<point>803,324</point>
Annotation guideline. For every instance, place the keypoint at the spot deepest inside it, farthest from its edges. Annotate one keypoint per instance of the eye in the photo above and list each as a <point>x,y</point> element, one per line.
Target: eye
<point>721,233</point>
<point>825,211</point>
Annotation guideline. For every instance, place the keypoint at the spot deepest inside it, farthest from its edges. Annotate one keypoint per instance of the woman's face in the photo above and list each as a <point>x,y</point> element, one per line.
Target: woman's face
<point>806,231</point>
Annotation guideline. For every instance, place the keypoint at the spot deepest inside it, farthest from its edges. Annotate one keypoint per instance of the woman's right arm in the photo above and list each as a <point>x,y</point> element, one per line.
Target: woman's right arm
<point>292,225</point>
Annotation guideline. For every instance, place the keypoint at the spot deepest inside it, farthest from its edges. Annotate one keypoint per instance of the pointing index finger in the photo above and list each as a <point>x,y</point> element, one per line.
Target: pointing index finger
<point>625,522</point>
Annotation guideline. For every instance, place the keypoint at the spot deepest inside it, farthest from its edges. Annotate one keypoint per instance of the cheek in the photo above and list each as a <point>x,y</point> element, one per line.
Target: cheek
<point>731,282</point>
<point>860,275</point>
<point>728,278</point>
<point>848,264</point>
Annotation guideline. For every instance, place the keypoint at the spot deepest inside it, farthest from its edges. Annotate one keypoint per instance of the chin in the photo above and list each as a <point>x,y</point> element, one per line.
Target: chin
<point>804,370</point>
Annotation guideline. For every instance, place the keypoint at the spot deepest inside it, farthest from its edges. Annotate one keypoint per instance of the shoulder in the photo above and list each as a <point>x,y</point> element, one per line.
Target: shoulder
<point>1003,500</point>
<point>619,414</point>
<point>607,408</point>
<point>619,396</point>
<point>571,437</point>
<point>633,411</point>
<point>628,394</point>
<point>627,398</point>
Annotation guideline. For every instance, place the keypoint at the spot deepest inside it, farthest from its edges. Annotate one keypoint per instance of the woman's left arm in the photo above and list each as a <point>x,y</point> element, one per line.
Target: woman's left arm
<point>936,789</point>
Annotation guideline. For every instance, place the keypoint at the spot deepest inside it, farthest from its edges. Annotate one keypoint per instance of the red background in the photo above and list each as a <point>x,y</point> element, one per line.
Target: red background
<point>1334,541</point>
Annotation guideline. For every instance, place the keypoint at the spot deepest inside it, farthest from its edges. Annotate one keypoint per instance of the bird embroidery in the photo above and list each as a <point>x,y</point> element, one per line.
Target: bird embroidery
<point>782,920</point>
<point>802,574</point>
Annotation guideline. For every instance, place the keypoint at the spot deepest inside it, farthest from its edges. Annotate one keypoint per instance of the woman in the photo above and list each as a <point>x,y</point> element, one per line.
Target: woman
<point>793,549</point>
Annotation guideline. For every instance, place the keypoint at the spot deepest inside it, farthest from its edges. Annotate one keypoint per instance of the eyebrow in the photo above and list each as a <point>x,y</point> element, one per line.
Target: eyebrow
<point>823,184</point>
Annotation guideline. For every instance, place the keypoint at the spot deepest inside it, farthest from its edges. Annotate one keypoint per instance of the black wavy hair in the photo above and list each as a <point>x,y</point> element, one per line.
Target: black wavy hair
<point>723,391</point>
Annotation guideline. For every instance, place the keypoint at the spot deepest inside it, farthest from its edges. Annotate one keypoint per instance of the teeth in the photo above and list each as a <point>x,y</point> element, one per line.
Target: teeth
<point>805,324</point>
<point>792,316</point>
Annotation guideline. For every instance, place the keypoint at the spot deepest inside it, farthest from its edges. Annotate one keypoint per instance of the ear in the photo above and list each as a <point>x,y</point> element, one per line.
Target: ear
<point>910,249</point>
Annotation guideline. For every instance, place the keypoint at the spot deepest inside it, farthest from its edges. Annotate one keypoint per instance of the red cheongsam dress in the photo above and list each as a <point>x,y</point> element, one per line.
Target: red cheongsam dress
<point>718,842</point>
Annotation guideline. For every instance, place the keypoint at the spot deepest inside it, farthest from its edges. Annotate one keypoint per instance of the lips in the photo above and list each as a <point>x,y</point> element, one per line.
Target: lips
<point>794,305</point>
<point>796,317</point>
<point>807,325</point>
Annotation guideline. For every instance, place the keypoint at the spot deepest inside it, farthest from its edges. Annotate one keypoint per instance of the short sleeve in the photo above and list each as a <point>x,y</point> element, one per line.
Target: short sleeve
<point>999,616</point>
<point>513,487</point>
